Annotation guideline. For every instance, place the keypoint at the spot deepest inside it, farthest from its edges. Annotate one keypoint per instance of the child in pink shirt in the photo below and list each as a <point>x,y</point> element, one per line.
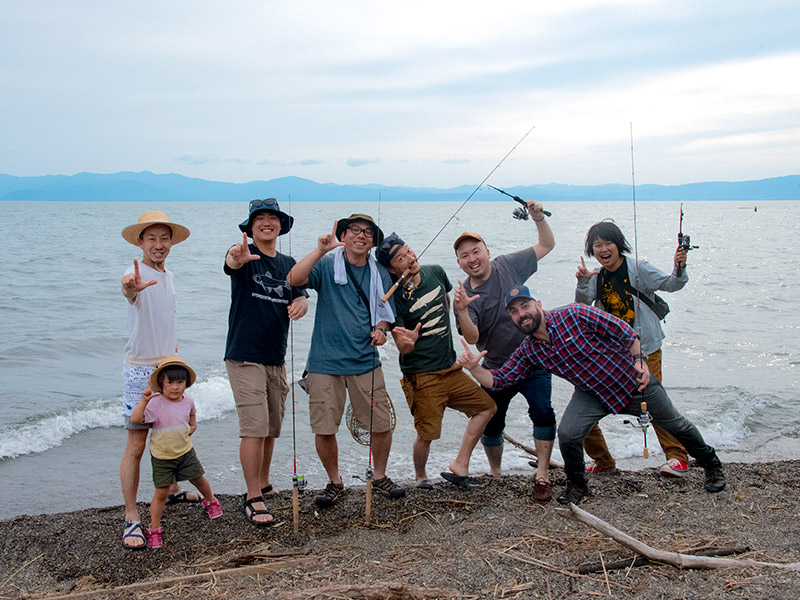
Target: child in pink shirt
<point>172,414</point>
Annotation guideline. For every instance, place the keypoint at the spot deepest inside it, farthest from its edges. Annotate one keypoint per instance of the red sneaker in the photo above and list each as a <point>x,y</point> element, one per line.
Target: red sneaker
<point>154,537</point>
<point>213,507</point>
<point>674,467</point>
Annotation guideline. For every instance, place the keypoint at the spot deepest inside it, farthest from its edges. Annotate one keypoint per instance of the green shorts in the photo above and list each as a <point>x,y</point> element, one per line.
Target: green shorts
<point>184,468</point>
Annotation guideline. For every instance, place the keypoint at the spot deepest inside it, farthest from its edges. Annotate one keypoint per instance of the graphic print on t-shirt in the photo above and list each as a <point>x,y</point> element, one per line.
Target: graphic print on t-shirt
<point>432,316</point>
<point>618,303</point>
<point>275,289</point>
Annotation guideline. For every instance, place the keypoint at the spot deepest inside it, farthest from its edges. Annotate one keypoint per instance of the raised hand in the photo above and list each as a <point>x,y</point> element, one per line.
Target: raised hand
<point>584,274</point>
<point>468,360</point>
<point>460,299</point>
<point>680,258</point>
<point>132,283</point>
<point>147,394</point>
<point>240,253</point>
<point>327,242</point>
<point>535,210</point>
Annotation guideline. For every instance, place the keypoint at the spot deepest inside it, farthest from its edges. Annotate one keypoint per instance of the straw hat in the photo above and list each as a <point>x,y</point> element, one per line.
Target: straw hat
<point>171,361</point>
<point>154,217</point>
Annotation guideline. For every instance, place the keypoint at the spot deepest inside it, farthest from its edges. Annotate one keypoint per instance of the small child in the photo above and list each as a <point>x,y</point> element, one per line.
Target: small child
<point>172,415</point>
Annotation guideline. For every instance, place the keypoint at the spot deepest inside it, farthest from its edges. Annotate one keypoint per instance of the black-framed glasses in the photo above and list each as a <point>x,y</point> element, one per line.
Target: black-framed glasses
<point>367,231</point>
<point>268,203</point>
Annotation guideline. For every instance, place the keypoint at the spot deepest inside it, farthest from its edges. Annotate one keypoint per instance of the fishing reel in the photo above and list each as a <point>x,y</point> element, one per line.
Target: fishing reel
<point>685,242</point>
<point>520,214</point>
<point>299,481</point>
<point>643,421</point>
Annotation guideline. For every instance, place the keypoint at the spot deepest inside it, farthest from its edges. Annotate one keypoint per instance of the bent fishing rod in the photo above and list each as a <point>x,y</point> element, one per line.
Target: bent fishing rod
<point>401,281</point>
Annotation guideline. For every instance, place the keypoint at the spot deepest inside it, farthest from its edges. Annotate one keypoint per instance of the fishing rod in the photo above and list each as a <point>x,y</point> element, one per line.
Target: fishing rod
<point>644,418</point>
<point>406,275</point>
<point>519,213</point>
<point>684,241</point>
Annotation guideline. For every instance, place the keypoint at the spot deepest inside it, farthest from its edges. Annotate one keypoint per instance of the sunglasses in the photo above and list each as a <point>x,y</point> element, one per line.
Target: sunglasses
<point>367,231</point>
<point>268,203</point>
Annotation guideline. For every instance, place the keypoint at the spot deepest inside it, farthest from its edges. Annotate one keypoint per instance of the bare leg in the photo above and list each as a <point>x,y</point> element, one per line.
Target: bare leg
<point>494,454</point>
<point>544,448</point>
<point>157,506</point>
<point>420,452</point>
<point>328,452</point>
<point>381,445</point>
<point>129,471</point>
<point>201,483</point>
<point>473,432</point>
<point>251,455</point>
<point>269,446</point>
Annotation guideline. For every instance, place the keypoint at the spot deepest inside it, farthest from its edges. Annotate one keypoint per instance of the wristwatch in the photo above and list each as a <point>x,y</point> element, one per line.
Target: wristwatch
<point>642,356</point>
<point>385,331</point>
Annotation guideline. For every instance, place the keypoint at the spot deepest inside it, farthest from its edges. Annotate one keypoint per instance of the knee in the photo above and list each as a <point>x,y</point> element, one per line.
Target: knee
<point>492,441</point>
<point>567,432</point>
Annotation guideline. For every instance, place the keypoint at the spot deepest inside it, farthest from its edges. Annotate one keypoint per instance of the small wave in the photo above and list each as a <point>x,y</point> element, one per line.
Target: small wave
<point>212,397</point>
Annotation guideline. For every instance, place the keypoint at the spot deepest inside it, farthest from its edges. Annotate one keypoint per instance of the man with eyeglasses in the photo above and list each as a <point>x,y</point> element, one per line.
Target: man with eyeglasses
<point>350,321</point>
<point>262,304</point>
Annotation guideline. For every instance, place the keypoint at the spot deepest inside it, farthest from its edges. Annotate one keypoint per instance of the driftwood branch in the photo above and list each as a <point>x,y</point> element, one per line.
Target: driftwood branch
<point>685,561</point>
<point>371,591</point>
<point>638,561</point>
<point>129,590</point>
<point>529,450</point>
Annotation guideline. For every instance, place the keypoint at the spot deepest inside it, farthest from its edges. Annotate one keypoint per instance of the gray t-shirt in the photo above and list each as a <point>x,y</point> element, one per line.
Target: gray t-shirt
<point>496,331</point>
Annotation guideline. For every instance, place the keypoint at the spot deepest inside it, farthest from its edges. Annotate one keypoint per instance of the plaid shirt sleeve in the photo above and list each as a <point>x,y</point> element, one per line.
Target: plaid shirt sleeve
<point>518,367</point>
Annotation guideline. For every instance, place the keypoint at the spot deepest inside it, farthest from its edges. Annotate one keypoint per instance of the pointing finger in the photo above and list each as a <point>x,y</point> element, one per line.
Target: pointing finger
<point>583,264</point>
<point>244,240</point>
<point>335,227</point>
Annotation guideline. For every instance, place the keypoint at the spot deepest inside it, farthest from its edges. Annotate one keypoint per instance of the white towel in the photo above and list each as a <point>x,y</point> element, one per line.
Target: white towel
<point>378,310</point>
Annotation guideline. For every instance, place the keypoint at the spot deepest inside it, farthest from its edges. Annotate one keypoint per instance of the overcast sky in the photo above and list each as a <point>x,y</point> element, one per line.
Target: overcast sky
<point>430,93</point>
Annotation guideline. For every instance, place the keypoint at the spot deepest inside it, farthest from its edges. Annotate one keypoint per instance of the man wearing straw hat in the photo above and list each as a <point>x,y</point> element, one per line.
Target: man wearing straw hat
<point>152,327</point>
<point>262,303</point>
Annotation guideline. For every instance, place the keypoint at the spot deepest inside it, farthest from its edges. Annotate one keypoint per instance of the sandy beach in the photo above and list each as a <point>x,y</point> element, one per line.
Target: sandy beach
<point>487,542</point>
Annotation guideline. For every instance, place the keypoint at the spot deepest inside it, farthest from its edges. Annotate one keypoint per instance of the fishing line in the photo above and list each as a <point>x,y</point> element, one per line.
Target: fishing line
<point>644,418</point>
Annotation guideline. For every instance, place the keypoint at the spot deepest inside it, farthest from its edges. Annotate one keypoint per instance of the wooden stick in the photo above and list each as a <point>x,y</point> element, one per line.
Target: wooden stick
<point>296,508</point>
<point>400,281</point>
<point>369,500</point>
<point>529,450</point>
<point>685,561</point>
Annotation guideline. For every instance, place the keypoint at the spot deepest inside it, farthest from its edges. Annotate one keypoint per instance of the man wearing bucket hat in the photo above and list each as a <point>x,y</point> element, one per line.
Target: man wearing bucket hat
<point>350,321</point>
<point>601,356</point>
<point>152,327</point>
<point>483,321</point>
<point>262,304</point>
<point>432,380</point>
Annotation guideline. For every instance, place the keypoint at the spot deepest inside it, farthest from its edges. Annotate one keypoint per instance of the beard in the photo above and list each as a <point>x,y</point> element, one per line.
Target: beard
<point>529,323</point>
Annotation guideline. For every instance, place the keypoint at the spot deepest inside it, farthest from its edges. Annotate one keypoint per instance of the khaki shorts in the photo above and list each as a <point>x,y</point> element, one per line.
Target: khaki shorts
<point>259,392</point>
<point>327,395</point>
<point>428,394</point>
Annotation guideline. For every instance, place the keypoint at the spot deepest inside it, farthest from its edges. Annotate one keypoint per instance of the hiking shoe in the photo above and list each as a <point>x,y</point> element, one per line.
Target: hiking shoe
<point>542,491</point>
<point>573,494</point>
<point>329,495</point>
<point>674,467</point>
<point>593,468</point>
<point>387,487</point>
<point>715,476</point>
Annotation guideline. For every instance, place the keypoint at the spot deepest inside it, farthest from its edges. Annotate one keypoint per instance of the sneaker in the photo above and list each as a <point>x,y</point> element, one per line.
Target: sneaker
<point>542,491</point>
<point>329,495</point>
<point>213,508</point>
<point>387,487</point>
<point>593,468</point>
<point>674,467</point>
<point>715,476</point>
<point>573,494</point>
<point>154,537</point>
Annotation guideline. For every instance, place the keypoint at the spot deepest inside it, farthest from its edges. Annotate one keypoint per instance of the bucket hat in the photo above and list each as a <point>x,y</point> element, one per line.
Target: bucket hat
<point>377,234</point>
<point>172,361</point>
<point>269,205</point>
<point>154,217</point>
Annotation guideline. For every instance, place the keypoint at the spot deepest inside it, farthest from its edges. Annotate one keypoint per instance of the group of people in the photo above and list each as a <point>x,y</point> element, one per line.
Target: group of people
<point>610,352</point>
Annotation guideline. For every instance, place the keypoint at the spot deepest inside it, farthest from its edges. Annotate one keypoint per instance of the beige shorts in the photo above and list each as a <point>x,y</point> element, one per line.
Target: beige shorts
<point>328,394</point>
<point>259,392</point>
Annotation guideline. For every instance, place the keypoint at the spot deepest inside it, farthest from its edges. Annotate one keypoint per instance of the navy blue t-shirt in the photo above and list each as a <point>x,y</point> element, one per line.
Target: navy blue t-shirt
<point>258,321</point>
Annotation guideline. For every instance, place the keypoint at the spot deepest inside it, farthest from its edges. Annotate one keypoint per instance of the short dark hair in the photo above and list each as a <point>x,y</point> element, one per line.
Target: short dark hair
<point>606,230</point>
<point>175,373</point>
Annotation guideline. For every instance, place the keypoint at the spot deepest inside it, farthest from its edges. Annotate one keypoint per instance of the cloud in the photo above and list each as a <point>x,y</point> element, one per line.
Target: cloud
<point>360,162</point>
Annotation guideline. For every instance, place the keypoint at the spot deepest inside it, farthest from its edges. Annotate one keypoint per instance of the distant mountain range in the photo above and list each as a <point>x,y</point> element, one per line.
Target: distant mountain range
<point>152,187</point>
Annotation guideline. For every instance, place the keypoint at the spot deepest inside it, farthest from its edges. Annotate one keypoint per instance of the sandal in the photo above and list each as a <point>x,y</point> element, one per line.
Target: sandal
<point>213,508</point>
<point>154,537</point>
<point>183,496</point>
<point>133,529</point>
<point>269,491</point>
<point>251,513</point>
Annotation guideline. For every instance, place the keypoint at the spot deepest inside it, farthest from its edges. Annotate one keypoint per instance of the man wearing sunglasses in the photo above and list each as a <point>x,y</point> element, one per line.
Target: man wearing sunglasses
<point>262,304</point>
<point>350,321</point>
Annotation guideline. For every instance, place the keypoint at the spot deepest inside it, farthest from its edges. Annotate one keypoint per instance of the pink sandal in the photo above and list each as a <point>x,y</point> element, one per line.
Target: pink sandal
<point>154,537</point>
<point>213,507</point>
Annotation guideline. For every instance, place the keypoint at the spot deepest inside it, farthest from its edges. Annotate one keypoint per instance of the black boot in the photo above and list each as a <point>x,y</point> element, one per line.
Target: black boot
<point>574,493</point>
<point>715,476</point>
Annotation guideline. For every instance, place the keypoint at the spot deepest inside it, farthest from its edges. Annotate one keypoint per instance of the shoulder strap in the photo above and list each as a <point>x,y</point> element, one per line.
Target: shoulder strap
<point>361,293</point>
<point>626,287</point>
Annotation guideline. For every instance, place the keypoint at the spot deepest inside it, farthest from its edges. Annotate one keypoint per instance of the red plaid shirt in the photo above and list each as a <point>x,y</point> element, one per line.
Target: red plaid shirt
<point>588,347</point>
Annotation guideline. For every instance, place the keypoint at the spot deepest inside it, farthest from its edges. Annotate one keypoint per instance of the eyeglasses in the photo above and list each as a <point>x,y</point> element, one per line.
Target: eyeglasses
<point>268,203</point>
<point>367,231</point>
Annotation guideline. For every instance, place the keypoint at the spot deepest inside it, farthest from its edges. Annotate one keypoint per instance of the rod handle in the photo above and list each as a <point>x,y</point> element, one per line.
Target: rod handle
<point>369,501</point>
<point>400,281</point>
<point>296,509</point>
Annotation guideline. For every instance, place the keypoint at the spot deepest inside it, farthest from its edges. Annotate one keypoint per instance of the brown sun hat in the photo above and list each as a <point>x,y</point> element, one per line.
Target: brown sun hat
<point>154,217</point>
<point>171,361</point>
<point>467,235</point>
<point>377,234</point>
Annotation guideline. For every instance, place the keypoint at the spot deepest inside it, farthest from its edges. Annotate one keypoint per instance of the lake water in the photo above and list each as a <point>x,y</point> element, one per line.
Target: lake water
<point>731,357</point>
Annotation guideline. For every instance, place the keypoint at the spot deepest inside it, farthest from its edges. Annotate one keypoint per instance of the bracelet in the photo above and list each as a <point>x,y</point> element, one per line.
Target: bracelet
<point>538,220</point>
<point>385,331</point>
<point>641,356</point>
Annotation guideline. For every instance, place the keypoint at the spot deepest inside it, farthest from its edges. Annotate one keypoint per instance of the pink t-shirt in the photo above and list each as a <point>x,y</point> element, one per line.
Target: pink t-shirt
<point>170,437</point>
